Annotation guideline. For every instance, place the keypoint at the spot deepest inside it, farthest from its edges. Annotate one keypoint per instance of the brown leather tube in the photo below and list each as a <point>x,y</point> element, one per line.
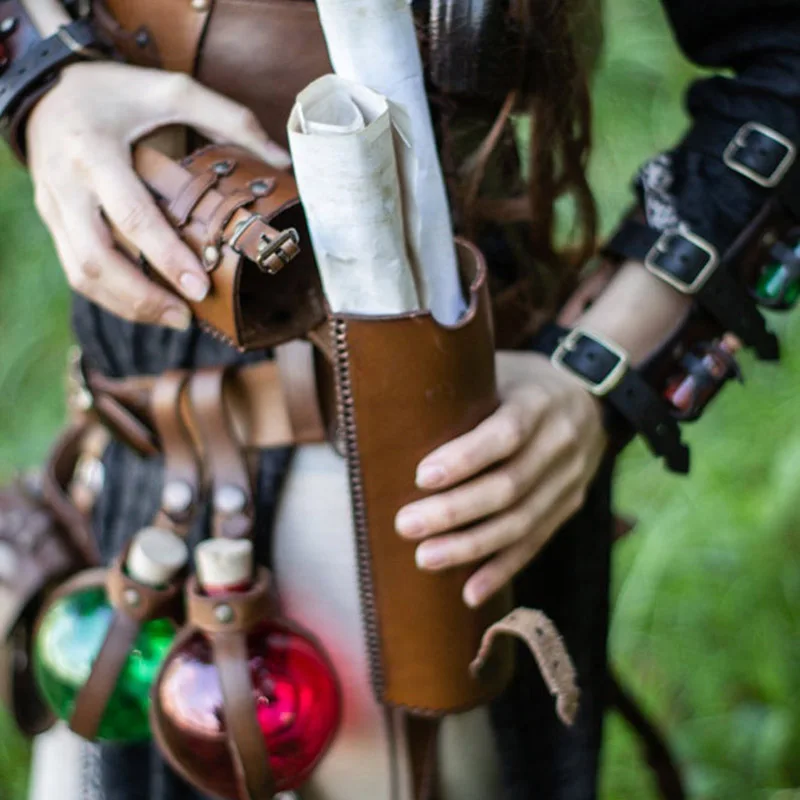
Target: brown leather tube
<point>407,385</point>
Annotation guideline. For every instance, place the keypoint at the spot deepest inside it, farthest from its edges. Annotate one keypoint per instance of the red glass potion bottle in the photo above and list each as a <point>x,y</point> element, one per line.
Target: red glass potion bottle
<point>292,689</point>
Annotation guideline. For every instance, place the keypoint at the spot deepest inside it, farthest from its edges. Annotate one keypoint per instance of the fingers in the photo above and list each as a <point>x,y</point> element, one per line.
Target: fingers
<point>223,120</point>
<point>496,491</point>
<point>130,207</point>
<point>98,272</point>
<point>495,439</point>
<point>498,572</point>
<point>504,530</point>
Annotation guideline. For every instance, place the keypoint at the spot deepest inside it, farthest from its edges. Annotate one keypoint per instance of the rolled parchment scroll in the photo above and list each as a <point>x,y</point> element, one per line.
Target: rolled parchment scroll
<point>373,44</point>
<point>343,149</point>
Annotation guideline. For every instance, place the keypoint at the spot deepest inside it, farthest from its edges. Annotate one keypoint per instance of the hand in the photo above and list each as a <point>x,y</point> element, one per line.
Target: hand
<point>79,139</point>
<point>508,485</point>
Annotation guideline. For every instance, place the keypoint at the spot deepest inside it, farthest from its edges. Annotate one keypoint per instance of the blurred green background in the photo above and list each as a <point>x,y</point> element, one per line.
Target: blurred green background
<point>707,619</point>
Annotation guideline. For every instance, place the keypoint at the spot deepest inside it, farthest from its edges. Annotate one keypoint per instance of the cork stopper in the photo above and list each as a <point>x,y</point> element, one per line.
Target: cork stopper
<point>224,564</point>
<point>156,556</point>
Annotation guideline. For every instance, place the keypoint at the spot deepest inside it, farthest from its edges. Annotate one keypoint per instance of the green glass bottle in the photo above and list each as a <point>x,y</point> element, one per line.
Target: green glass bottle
<point>74,628</point>
<point>775,284</point>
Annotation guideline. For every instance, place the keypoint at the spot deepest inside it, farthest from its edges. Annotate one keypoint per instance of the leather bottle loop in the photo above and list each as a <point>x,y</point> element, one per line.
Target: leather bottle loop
<point>245,740</point>
<point>182,478</point>
<point>244,610</point>
<point>299,384</point>
<point>223,213</point>
<point>228,477</point>
<point>141,602</point>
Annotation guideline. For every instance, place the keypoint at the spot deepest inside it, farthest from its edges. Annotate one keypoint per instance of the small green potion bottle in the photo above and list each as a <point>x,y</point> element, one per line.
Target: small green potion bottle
<point>779,283</point>
<point>136,600</point>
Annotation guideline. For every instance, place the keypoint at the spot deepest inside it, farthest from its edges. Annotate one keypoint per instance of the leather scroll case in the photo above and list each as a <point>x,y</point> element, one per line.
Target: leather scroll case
<point>38,550</point>
<point>405,386</point>
<point>243,220</point>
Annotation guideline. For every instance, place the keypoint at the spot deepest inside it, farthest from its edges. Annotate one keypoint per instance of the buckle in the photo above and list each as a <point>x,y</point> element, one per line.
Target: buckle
<point>684,274</point>
<point>741,145</point>
<point>569,347</point>
<point>272,253</point>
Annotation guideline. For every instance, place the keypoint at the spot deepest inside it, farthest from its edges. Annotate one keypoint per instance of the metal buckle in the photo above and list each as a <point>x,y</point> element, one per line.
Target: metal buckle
<point>662,245</point>
<point>739,141</point>
<point>267,248</point>
<point>568,344</point>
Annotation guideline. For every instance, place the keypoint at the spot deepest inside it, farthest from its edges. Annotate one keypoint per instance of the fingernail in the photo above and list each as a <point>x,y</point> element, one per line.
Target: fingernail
<point>429,476</point>
<point>178,318</point>
<point>194,287</point>
<point>279,157</point>
<point>430,557</point>
<point>474,594</point>
<point>409,523</point>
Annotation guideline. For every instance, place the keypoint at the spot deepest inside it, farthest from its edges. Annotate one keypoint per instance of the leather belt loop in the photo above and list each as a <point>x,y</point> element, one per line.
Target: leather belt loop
<point>223,213</point>
<point>180,209</point>
<point>295,362</point>
<point>232,493</point>
<point>182,477</point>
<point>245,739</point>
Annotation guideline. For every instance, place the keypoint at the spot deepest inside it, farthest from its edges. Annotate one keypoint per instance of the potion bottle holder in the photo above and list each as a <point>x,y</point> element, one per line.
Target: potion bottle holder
<point>134,604</point>
<point>43,540</point>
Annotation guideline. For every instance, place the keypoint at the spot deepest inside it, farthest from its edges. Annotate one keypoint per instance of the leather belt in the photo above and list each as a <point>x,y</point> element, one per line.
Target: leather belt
<point>270,404</point>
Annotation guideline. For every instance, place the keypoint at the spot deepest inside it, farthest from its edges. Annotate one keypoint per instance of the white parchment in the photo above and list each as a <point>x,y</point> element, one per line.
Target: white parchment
<point>342,146</point>
<point>374,43</point>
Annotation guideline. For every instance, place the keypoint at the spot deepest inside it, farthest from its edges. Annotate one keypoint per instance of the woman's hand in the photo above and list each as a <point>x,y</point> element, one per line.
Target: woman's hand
<point>507,486</point>
<point>79,139</point>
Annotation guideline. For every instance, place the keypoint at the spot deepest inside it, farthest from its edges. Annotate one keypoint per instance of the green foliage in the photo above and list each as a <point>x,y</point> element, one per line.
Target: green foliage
<point>707,620</point>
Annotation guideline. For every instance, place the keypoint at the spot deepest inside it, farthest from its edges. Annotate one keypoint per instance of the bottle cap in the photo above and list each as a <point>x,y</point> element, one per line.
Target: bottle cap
<point>156,556</point>
<point>224,563</point>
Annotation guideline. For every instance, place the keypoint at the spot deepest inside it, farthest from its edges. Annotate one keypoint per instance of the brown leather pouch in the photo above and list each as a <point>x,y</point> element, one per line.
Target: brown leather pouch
<point>244,221</point>
<point>38,549</point>
<point>406,385</point>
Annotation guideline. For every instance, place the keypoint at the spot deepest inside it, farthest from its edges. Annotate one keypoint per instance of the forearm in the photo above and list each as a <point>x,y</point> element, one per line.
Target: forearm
<point>47,15</point>
<point>637,311</point>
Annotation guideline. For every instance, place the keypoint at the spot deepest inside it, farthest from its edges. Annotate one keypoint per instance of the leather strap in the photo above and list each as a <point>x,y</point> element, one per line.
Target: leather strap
<point>180,209</point>
<point>92,699</point>
<point>694,267</point>
<point>604,370</point>
<point>422,734</point>
<point>299,383</point>
<point>243,610</point>
<point>245,740</point>
<point>181,464</point>
<point>228,476</point>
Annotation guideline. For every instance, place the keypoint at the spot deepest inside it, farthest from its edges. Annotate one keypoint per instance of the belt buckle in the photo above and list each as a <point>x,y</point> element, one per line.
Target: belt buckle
<point>662,246</point>
<point>739,141</point>
<point>598,388</point>
<point>271,249</point>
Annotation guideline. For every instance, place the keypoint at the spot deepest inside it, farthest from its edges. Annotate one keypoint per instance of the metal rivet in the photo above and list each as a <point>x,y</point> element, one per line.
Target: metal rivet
<point>223,168</point>
<point>177,497</point>
<point>8,26</point>
<point>91,473</point>
<point>229,499</point>
<point>211,255</point>
<point>224,614</point>
<point>261,188</point>
<point>201,5</point>
<point>142,39</point>
<point>131,597</point>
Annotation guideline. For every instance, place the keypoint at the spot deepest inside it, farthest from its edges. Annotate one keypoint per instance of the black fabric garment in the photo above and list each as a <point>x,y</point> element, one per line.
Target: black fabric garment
<point>760,41</point>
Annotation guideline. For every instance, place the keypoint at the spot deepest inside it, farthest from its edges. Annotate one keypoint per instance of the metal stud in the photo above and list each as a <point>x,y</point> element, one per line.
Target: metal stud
<point>223,168</point>
<point>211,255</point>
<point>261,187</point>
<point>229,499</point>
<point>201,5</point>
<point>177,497</point>
<point>142,39</point>
<point>224,613</point>
<point>8,26</point>
<point>131,597</point>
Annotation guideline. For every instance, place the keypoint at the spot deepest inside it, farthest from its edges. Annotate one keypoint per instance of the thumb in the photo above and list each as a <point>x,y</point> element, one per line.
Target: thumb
<point>225,121</point>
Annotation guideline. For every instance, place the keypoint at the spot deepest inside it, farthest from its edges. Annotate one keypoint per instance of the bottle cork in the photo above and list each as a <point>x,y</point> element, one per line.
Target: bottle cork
<point>156,556</point>
<point>224,564</point>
